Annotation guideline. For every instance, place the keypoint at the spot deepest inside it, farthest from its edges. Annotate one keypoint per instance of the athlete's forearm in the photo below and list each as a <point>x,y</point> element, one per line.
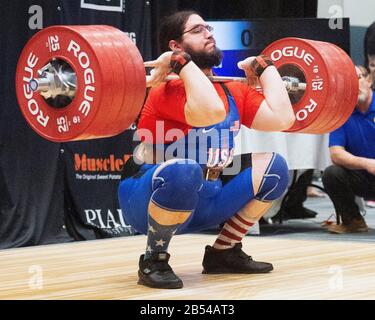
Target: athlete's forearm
<point>203,106</point>
<point>276,96</point>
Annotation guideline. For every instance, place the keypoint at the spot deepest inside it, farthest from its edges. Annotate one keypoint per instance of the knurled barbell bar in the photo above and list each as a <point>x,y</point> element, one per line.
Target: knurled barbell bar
<point>86,82</point>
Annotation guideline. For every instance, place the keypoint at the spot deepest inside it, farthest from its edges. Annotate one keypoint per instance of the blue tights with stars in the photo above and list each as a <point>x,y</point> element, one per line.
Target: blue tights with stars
<point>175,186</point>
<point>158,237</point>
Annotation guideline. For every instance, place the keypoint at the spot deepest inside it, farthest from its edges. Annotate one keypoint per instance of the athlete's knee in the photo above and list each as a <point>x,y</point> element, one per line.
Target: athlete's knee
<point>176,184</point>
<point>275,179</point>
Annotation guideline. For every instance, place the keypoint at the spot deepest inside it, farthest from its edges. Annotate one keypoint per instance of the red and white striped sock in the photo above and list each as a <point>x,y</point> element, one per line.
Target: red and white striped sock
<point>233,232</point>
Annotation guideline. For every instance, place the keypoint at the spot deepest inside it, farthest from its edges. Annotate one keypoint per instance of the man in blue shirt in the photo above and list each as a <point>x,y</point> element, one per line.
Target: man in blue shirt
<point>369,50</point>
<point>352,149</point>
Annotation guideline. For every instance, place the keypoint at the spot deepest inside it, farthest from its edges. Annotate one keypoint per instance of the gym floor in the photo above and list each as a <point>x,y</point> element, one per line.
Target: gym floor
<point>309,264</point>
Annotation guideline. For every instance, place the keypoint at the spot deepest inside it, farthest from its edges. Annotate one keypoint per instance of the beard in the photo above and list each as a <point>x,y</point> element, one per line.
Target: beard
<point>204,59</point>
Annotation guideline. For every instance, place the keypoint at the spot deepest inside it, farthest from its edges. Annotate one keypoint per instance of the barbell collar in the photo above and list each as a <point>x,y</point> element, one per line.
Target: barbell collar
<point>54,81</point>
<point>39,84</point>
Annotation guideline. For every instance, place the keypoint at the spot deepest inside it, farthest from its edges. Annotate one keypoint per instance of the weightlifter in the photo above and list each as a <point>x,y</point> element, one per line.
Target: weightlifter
<point>171,192</point>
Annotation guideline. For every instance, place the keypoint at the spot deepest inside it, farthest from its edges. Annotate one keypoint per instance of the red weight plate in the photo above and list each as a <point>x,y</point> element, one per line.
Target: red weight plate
<point>341,91</point>
<point>105,126</point>
<point>343,69</point>
<point>349,98</point>
<point>332,105</point>
<point>96,128</point>
<point>135,80</point>
<point>135,84</point>
<point>300,54</point>
<point>116,124</point>
<point>71,122</point>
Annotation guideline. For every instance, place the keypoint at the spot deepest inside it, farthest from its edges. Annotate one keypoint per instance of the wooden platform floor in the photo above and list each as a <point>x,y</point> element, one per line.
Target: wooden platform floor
<point>107,269</point>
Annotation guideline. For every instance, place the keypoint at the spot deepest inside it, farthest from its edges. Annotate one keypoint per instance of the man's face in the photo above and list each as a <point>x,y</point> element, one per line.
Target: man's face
<point>371,64</point>
<point>198,41</point>
<point>364,86</point>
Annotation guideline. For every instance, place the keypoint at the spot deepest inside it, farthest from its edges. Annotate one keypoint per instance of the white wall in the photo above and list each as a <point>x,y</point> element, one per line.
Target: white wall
<point>360,12</point>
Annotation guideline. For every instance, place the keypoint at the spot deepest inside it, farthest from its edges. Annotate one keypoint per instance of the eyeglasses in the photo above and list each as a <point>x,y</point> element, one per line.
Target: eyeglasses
<point>199,29</point>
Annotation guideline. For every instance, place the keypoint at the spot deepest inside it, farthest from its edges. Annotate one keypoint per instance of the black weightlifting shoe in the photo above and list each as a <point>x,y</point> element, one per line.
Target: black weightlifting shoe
<point>155,272</point>
<point>232,260</point>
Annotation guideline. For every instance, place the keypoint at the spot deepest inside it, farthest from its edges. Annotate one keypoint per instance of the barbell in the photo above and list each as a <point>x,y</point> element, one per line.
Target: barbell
<point>86,82</point>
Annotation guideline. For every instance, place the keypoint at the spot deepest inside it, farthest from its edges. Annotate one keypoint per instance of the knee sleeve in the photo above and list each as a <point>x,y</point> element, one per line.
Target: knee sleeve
<point>176,184</point>
<point>275,179</point>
